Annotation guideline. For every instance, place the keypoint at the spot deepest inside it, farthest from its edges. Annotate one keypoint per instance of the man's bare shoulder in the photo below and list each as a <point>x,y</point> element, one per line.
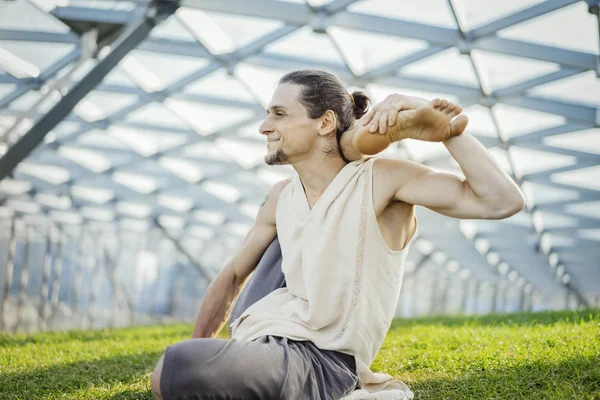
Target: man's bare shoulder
<point>279,186</point>
<point>268,207</point>
<point>386,166</point>
<point>389,175</point>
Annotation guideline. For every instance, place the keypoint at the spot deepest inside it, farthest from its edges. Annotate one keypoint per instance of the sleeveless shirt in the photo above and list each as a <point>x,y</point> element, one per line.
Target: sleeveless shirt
<point>343,281</point>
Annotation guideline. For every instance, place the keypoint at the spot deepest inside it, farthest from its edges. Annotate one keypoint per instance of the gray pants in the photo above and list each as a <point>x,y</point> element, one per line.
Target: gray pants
<point>269,367</point>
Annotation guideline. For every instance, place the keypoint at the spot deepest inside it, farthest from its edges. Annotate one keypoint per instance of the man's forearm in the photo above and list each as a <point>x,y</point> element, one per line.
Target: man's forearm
<point>484,175</point>
<point>216,305</point>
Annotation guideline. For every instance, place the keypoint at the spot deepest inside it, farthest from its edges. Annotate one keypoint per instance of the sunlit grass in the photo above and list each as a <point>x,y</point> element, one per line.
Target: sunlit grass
<point>529,356</point>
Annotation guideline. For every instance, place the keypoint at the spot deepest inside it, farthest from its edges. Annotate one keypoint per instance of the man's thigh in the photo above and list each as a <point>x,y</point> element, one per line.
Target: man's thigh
<point>228,369</point>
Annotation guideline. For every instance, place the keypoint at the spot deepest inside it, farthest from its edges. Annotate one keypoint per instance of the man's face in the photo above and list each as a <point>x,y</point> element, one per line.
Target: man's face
<point>291,134</point>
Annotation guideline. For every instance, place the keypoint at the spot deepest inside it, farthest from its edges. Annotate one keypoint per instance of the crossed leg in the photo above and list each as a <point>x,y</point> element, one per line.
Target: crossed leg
<point>269,367</point>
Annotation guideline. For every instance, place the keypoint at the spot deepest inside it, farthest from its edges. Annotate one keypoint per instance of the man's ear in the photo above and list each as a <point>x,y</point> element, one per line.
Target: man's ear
<point>327,123</point>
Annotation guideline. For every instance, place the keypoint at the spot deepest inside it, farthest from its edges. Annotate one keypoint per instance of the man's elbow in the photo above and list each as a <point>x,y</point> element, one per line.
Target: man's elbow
<point>509,204</point>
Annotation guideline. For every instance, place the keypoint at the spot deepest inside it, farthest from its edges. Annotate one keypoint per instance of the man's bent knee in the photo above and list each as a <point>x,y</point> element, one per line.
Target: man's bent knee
<point>155,379</point>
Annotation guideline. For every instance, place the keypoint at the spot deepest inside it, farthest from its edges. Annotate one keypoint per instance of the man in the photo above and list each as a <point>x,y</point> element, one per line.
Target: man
<point>344,230</point>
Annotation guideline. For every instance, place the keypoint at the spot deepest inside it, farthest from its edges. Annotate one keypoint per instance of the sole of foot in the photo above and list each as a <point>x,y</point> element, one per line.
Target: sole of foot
<point>438,121</point>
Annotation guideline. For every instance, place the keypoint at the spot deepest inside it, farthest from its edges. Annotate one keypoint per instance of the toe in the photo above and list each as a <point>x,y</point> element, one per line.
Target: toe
<point>436,102</point>
<point>444,104</point>
<point>459,124</point>
<point>450,109</point>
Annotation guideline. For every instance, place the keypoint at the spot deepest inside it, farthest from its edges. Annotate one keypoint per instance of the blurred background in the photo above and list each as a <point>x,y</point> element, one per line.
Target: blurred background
<point>132,167</point>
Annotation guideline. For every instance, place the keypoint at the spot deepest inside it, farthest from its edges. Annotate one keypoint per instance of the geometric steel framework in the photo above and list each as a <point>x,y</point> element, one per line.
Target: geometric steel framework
<point>169,138</point>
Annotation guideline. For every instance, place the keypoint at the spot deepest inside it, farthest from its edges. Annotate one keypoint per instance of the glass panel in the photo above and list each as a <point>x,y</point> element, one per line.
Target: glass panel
<point>275,173</point>
<point>480,121</point>
<point>544,194</point>
<point>584,177</point>
<point>379,92</point>
<point>182,168</point>
<point>25,16</point>
<point>41,55</point>
<point>108,103</point>
<point>146,142</point>
<point>6,89</point>
<point>140,183</point>
<point>223,191</point>
<point>97,138</point>
<point>529,161</point>
<point>49,173</point>
<point>246,153</point>
<point>365,50</point>
<point>420,150</point>
<point>147,67</point>
<point>138,210</point>
<point>66,217</point>
<point>515,121</point>
<point>98,214</point>
<point>554,221</point>
<point>592,234</point>
<point>176,203</point>
<point>92,194</point>
<point>472,13</point>
<point>209,217</point>
<point>410,10</point>
<point>260,81</point>
<point>306,44</point>
<point>499,71</point>
<point>172,29</point>
<point>242,30</point>
<point>155,114</point>
<point>588,209</point>
<point>449,66</point>
<point>580,89</point>
<point>205,119</point>
<point>14,187</point>
<point>572,28</point>
<point>89,159</point>
<point>586,141</point>
<point>24,206</point>
<point>220,85</point>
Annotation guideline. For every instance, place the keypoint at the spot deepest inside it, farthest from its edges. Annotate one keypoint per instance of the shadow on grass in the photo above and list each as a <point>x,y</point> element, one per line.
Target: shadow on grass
<point>575,378</point>
<point>39,383</point>
<point>132,394</point>
<point>542,318</point>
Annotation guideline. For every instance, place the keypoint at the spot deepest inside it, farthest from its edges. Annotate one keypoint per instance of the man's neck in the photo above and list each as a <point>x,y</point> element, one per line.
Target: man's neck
<point>317,173</point>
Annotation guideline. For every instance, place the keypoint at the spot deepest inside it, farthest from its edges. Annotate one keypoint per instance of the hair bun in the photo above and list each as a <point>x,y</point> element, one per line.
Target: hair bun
<point>361,103</point>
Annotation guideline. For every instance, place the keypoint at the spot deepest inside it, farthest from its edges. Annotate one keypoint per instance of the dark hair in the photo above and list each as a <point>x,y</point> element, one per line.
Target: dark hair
<point>322,91</point>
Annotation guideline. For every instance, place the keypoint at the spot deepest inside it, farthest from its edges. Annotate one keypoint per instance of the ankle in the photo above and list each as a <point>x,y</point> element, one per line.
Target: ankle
<point>348,146</point>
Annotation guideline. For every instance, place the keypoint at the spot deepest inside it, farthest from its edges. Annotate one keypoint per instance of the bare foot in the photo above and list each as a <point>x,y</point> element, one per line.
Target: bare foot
<point>433,122</point>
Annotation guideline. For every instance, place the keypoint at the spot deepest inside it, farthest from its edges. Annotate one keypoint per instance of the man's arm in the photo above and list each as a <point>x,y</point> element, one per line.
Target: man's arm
<point>227,285</point>
<point>486,193</point>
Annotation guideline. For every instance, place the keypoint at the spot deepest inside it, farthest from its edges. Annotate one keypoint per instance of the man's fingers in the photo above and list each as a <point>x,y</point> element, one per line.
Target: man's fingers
<point>392,117</point>
<point>383,118</point>
<point>365,119</point>
<point>374,124</point>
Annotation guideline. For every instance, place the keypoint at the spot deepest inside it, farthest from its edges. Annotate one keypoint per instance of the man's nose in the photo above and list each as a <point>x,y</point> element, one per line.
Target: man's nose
<point>265,128</point>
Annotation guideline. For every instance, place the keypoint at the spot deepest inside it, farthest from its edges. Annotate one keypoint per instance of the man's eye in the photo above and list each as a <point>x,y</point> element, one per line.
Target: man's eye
<point>280,114</point>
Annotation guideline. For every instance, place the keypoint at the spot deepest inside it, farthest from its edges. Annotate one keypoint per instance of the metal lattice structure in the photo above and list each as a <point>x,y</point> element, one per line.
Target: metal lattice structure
<point>129,136</point>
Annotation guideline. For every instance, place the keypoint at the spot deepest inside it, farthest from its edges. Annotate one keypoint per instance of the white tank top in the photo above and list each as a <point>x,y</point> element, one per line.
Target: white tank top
<point>343,281</point>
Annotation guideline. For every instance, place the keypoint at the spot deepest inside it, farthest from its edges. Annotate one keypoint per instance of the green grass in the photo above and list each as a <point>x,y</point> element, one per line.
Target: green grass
<point>523,356</point>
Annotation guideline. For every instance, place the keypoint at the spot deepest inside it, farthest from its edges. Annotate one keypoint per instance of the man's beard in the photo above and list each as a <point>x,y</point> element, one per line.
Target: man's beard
<point>279,158</point>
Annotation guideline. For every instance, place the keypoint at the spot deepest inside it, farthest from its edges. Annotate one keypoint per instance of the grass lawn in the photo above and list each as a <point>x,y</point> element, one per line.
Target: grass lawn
<point>552,355</point>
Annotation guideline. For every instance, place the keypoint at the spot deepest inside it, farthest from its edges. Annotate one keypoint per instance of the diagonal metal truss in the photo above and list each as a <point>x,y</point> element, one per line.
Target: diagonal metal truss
<point>543,255</point>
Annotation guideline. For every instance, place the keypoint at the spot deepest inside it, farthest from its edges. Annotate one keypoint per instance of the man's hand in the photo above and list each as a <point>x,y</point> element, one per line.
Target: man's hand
<point>385,113</point>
